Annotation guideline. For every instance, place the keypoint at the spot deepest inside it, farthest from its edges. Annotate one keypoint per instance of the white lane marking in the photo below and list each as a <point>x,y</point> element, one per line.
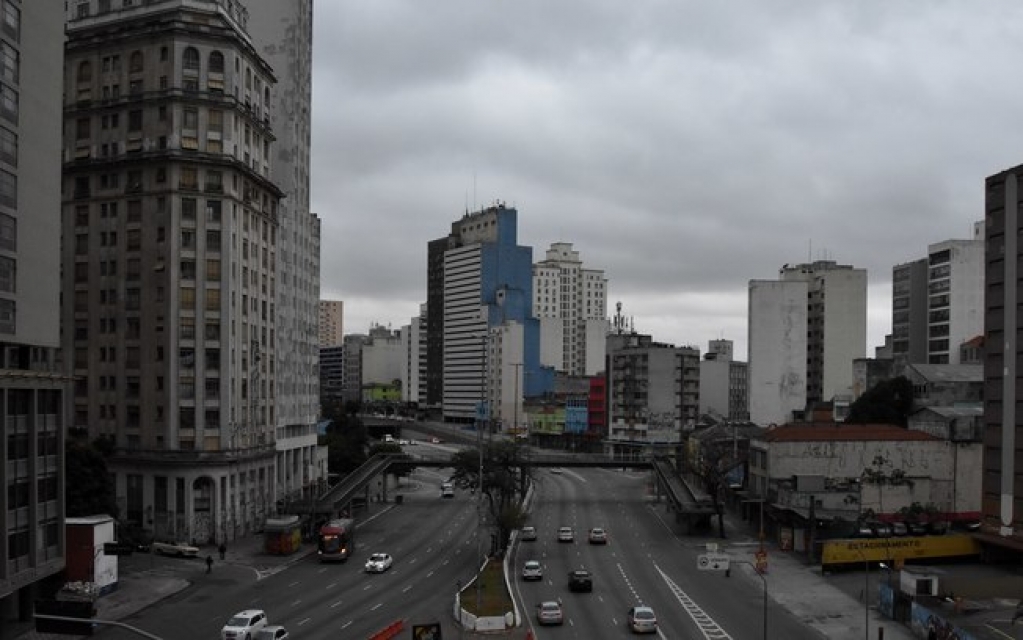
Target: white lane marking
<point>336,604</point>
<point>296,603</point>
<point>376,606</point>
<point>407,589</point>
<point>293,584</point>
<point>711,630</point>
<point>331,585</point>
<point>346,625</point>
<point>304,621</point>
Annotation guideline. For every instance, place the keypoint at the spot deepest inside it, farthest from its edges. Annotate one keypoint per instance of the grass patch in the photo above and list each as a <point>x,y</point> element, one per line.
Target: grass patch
<point>493,594</point>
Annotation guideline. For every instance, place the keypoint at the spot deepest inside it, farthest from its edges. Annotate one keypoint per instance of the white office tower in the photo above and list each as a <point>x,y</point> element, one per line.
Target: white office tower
<point>571,304</point>
<point>805,330</point>
<point>955,296</point>
<point>413,373</point>
<point>282,32</point>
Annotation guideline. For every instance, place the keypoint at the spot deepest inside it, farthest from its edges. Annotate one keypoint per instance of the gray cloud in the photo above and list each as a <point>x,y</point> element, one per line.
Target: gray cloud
<point>684,147</point>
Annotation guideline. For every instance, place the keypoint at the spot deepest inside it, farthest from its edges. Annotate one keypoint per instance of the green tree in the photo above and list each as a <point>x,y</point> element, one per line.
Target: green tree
<point>346,441</point>
<point>887,402</point>
<point>88,488</point>
<point>505,477</point>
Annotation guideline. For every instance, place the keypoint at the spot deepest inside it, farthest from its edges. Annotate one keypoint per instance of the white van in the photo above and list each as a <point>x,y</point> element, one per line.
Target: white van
<point>388,437</point>
<point>447,490</point>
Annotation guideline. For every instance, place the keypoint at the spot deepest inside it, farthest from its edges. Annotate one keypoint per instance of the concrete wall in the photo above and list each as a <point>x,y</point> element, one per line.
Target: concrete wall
<point>777,350</point>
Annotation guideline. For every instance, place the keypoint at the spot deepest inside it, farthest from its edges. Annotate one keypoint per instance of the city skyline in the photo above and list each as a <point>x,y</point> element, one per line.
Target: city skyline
<point>657,142</point>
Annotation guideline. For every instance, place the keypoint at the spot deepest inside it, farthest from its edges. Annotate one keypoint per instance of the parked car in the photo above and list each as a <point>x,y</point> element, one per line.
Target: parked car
<point>917,528</point>
<point>528,533</point>
<point>881,529</point>
<point>532,570</point>
<point>378,563</point>
<point>549,612</point>
<point>642,620</point>
<point>863,530</point>
<point>899,528</point>
<point>580,580</point>
<point>172,548</point>
<point>565,534</point>
<point>273,632</point>
<point>243,625</point>
<point>598,536</point>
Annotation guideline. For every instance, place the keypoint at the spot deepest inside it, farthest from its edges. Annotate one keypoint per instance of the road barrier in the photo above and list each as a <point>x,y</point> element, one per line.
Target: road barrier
<point>389,631</point>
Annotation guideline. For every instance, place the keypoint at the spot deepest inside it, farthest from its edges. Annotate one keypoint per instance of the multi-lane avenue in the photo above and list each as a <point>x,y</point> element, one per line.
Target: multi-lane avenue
<point>433,540</point>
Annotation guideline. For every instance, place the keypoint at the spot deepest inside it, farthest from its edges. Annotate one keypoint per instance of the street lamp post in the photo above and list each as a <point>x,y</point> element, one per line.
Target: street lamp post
<point>763,578</point>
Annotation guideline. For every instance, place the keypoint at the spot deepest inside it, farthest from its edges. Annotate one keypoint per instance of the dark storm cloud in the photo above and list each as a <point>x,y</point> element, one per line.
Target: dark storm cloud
<point>684,147</point>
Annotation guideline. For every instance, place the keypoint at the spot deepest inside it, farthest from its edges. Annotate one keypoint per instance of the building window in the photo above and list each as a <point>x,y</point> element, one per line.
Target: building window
<point>8,274</point>
<point>8,189</point>
<point>135,62</point>
<point>216,62</point>
<point>9,63</point>
<point>9,103</point>
<point>12,20</point>
<point>8,147</point>
<point>190,61</point>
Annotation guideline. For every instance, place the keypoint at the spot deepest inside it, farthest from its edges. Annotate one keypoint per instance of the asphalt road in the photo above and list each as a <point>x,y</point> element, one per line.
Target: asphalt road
<point>434,547</point>
<point>647,561</point>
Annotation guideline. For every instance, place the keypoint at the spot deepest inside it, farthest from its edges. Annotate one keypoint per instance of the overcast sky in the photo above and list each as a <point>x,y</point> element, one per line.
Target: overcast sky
<point>683,147</point>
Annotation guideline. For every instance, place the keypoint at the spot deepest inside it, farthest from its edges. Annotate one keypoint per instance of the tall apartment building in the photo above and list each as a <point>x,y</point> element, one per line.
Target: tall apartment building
<point>282,31</point>
<point>170,275</point>
<point>937,301</point>
<point>33,386</point>
<point>414,370</point>
<point>332,323</point>
<point>724,391</point>
<point>1001,502</point>
<point>571,304</point>
<point>351,377</point>
<point>653,389</point>
<point>909,312</point>
<point>805,330</point>
<point>479,280</point>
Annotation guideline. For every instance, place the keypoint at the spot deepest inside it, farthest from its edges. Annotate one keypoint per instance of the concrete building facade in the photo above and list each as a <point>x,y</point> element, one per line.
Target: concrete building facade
<point>570,302</point>
<point>1002,500</point>
<point>833,316</point>
<point>332,323</point>
<point>170,275</point>
<point>653,392</point>
<point>282,31</point>
<point>33,385</point>
<point>937,301</point>
<point>724,391</point>
<point>778,322</point>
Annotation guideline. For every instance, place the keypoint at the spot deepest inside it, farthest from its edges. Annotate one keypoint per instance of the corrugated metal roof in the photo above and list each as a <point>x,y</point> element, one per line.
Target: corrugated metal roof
<point>845,433</point>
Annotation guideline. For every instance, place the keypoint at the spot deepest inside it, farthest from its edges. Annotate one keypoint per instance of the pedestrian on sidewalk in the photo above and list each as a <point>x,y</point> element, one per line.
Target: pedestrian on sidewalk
<point>222,549</point>
<point>209,563</point>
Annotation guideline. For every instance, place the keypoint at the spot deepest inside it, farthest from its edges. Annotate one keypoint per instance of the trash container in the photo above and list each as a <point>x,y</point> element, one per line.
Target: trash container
<point>398,499</point>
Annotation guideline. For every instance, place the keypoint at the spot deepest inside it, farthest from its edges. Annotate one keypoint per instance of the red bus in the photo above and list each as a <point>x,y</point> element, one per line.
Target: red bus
<point>336,540</point>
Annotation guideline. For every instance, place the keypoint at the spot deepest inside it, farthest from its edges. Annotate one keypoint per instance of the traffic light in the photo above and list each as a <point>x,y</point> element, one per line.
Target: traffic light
<point>83,610</point>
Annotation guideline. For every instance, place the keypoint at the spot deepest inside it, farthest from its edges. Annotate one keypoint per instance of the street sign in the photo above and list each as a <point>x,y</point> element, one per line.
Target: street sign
<point>117,549</point>
<point>712,562</point>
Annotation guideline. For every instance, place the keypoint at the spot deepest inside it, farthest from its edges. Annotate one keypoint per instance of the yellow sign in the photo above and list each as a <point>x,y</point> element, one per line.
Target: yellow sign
<point>898,549</point>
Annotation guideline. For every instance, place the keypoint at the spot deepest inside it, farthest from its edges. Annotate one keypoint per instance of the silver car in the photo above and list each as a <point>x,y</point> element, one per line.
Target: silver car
<point>532,570</point>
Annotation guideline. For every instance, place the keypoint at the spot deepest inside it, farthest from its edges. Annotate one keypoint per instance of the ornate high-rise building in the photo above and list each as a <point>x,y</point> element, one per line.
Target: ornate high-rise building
<point>173,235</point>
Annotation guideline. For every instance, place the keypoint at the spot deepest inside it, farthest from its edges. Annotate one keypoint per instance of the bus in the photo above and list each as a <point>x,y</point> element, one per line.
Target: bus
<point>336,540</point>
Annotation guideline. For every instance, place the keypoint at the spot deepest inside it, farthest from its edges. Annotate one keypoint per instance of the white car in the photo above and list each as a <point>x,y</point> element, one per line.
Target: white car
<point>171,548</point>
<point>244,625</point>
<point>642,620</point>
<point>275,632</point>
<point>378,563</point>
<point>565,534</point>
